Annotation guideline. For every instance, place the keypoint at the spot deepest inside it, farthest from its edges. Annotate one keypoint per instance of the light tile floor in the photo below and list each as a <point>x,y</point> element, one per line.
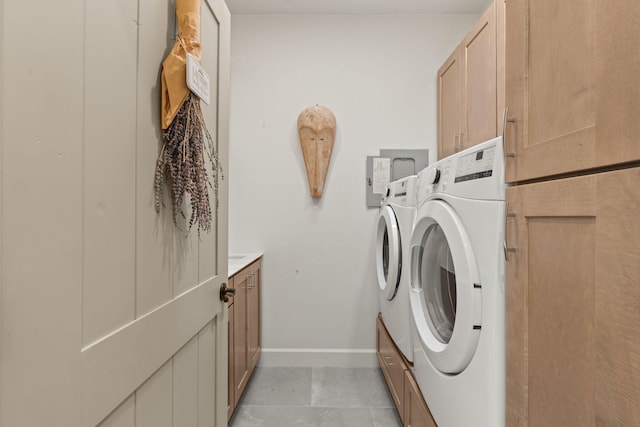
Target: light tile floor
<point>322,397</point>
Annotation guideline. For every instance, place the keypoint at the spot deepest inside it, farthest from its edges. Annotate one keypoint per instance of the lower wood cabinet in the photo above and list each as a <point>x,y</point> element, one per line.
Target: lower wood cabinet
<point>406,395</point>
<point>253,314</point>
<point>244,330</point>
<point>231,396</point>
<point>392,365</point>
<point>416,413</point>
<point>573,301</point>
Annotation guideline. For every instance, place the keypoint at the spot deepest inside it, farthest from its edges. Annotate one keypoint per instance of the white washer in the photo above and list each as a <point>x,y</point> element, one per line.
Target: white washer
<point>457,287</point>
<point>393,234</point>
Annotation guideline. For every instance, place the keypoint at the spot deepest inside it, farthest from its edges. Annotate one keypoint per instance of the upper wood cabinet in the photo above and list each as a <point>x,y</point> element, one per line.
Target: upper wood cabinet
<point>572,298</point>
<point>471,86</point>
<point>450,104</point>
<point>572,91</point>
<point>479,96</point>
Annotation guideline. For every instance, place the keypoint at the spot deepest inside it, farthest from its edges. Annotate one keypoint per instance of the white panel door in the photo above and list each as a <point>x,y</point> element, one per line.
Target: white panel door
<point>109,314</point>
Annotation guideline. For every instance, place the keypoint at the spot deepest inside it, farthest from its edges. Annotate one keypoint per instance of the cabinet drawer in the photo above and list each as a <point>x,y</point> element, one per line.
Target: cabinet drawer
<point>392,365</point>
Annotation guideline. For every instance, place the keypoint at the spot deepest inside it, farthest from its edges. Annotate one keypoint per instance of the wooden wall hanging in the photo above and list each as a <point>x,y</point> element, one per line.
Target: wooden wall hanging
<point>317,133</point>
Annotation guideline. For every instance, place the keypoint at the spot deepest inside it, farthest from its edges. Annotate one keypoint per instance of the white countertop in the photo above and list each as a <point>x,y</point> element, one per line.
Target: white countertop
<point>239,261</point>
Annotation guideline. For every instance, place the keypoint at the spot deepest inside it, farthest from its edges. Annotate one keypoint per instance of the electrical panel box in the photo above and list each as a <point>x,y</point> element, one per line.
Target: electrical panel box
<point>390,165</point>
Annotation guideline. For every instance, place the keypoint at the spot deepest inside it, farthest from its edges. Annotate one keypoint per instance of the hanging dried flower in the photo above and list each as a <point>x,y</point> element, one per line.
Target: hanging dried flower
<point>187,143</point>
<point>181,166</point>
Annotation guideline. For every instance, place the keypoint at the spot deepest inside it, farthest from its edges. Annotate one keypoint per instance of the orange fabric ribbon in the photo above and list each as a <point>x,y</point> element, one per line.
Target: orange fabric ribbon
<point>174,67</point>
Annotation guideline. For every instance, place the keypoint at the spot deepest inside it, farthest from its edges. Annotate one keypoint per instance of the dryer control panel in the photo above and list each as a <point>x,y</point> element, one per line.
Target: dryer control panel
<point>475,165</point>
<point>475,173</point>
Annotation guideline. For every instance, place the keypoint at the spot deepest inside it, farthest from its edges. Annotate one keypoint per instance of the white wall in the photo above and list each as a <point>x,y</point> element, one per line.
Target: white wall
<point>378,75</point>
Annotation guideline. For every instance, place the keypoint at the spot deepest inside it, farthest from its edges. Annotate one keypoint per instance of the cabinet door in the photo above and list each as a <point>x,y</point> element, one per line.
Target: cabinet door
<point>501,7</point>
<point>450,104</point>
<point>479,82</point>
<point>240,336</point>
<point>231,398</point>
<point>253,314</point>
<point>471,86</point>
<point>618,91</point>
<point>572,298</point>
<point>391,364</point>
<point>571,86</point>
<point>416,412</point>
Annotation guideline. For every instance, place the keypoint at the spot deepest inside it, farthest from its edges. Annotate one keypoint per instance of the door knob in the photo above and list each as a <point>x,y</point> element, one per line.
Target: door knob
<point>225,292</point>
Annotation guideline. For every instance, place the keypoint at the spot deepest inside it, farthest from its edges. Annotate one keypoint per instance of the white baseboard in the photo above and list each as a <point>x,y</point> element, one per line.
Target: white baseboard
<point>318,358</point>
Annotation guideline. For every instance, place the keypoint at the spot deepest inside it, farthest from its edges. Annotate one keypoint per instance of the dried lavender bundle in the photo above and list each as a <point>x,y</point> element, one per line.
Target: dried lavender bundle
<point>181,166</point>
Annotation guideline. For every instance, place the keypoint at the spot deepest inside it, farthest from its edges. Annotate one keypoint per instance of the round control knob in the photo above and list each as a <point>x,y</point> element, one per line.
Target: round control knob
<point>432,176</point>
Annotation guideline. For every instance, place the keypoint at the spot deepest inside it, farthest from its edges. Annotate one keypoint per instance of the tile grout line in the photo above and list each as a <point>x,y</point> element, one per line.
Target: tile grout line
<point>316,407</point>
<point>372,416</point>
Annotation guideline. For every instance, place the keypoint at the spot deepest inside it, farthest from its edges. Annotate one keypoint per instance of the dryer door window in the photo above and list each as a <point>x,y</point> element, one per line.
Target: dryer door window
<point>388,253</point>
<point>438,273</point>
<point>445,294</point>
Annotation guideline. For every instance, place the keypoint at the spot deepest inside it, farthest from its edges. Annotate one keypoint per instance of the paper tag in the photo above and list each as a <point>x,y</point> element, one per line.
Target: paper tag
<point>198,79</point>
<point>381,174</point>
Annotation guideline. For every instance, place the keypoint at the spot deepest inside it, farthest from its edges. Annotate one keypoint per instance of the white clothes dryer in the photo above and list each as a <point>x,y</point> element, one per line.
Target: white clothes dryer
<point>393,234</point>
<point>457,287</point>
